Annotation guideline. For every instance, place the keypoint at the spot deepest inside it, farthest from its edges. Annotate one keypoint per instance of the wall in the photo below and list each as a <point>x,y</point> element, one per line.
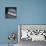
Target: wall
<point>28,12</point>
<point>34,12</point>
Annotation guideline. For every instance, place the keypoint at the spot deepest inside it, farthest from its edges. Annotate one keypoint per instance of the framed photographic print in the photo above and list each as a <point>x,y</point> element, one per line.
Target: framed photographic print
<point>10,12</point>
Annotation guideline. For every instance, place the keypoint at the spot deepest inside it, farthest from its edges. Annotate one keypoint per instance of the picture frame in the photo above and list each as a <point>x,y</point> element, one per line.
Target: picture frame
<point>10,12</point>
